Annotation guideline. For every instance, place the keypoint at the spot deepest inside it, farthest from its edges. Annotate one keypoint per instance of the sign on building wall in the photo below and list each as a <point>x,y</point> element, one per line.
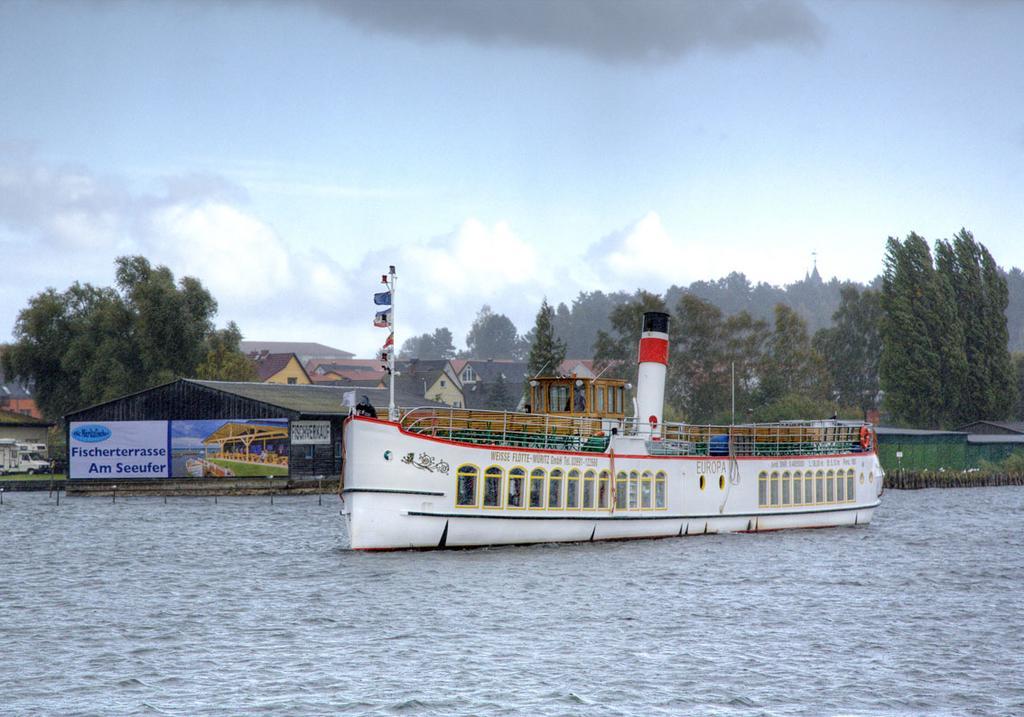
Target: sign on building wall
<point>118,449</point>
<point>311,433</point>
<point>221,448</point>
<point>179,449</point>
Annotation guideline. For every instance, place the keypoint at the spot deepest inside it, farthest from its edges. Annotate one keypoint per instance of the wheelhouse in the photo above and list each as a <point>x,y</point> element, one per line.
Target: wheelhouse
<point>577,396</point>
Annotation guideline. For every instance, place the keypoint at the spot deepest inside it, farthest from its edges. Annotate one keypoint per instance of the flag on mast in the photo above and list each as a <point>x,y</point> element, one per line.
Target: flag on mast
<point>382,299</point>
<point>382,319</point>
<point>390,341</point>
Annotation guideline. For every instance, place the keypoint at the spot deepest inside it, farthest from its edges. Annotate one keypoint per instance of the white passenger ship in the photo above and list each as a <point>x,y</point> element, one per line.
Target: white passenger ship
<point>577,469</point>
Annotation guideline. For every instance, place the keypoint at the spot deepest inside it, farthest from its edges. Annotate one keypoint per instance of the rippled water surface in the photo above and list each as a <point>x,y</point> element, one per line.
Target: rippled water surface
<point>244,607</point>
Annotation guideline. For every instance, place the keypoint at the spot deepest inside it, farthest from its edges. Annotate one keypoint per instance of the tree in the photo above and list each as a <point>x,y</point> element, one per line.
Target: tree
<point>437,345</point>
<point>1018,368</point>
<point>792,366</point>
<point>547,352</point>
<point>224,360</point>
<point>923,365</point>
<point>851,348</point>
<point>615,351</point>
<point>90,344</point>
<point>498,397</point>
<point>493,336</point>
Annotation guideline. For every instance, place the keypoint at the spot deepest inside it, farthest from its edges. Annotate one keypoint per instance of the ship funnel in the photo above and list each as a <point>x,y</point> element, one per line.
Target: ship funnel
<point>652,366</point>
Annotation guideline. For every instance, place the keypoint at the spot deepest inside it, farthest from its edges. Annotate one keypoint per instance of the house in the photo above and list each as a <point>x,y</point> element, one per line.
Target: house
<point>24,428</point>
<point>17,397</point>
<point>279,368</point>
<point>1001,428</point>
<point>357,372</point>
<point>437,378</point>
<point>480,379</point>
<point>306,351</point>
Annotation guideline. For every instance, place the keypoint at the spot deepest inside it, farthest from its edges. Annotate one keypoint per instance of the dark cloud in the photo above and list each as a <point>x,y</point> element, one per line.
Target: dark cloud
<point>609,30</point>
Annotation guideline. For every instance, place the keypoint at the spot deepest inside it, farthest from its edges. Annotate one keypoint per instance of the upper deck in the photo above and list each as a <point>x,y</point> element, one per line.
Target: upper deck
<point>592,434</point>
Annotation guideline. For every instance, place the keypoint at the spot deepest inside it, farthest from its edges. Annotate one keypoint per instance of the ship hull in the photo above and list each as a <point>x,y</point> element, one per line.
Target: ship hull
<point>402,491</point>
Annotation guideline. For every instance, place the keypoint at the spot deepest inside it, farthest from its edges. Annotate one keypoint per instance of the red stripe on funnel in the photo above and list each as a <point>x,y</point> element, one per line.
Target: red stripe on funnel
<point>654,350</point>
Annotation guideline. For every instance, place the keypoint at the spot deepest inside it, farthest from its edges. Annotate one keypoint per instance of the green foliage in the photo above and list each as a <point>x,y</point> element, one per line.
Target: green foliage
<point>794,406</point>
<point>437,345</point>
<point>945,356</point>
<point>792,365</point>
<point>224,361</point>
<point>615,351</point>
<point>90,344</point>
<point>498,396</point>
<point>1018,370</point>
<point>547,352</point>
<point>493,336</point>
<point>851,348</point>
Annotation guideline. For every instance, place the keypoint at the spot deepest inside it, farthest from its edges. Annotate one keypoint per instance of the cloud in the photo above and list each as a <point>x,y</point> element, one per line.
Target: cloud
<point>648,31</point>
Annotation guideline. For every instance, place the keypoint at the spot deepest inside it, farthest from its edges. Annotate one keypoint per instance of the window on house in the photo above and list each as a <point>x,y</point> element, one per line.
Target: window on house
<point>292,380</point>
<point>310,452</point>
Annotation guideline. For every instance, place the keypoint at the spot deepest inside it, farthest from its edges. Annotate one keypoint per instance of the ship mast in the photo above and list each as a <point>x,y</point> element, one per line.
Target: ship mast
<point>392,409</point>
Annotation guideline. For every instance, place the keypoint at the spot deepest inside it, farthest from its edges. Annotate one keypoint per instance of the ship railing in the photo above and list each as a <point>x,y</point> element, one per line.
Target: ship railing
<point>590,434</point>
<point>508,429</point>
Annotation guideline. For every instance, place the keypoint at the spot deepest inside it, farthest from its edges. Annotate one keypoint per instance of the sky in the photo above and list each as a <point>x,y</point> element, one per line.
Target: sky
<point>500,153</point>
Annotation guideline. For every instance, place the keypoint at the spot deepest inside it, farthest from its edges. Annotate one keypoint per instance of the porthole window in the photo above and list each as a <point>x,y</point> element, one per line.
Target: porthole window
<point>516,487</point>
<point>862,478</point>
<point>721,482</point>
<point>660,490</point>
<point>621,494</point>
<point>465,493</point>
<point>555,489</point>
<point>603,489</point>
<point>871,477</point>
<point>588,490</point>
<point>702,482</point>
<point>647,490</point>
<point>492,487</point>
<point>537,488</point>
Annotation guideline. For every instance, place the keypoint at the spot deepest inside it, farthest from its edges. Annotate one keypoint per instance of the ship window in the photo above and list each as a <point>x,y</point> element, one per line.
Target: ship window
<point>572,490</point>
<point>599,394</point>
<point>634,490</point>
<point>537,488</point>
<point>762,488</point>
<point>785,488</point>
<point>618,399</point>
<point>721,482</point>
<point>588,490</point>
<point>808,486</point>
<point>621,496</point>
<point>492,487</point>
<point>660,496</point>
<point>602,489</point>
<point>702,482</point>
<point>819,487</point>
<point>797,490</point>
<point>850,494</point>
<point>830,486</point>
<point>466,491</point>
<point>516,487</point>
<point>558,397</point>
<point>647,490</point>
<point>775,488</point>
<point>555,489</point>
<point>840,487</point>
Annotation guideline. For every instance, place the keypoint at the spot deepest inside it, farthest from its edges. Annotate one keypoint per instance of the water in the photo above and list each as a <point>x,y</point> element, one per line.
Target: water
<point>241,607</point>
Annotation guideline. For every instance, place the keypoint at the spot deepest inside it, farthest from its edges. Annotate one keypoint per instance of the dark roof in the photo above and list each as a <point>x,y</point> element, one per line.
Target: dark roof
<point>267,364</point>
<point>478,395</point>
<point>893,431</point>
<point>305,350</point>
<point>1000,426</point>
<point>312,399</point>
<point>13,389</point>
<point>13,418</point>
<point>488,371</point>
<point>995,438</point>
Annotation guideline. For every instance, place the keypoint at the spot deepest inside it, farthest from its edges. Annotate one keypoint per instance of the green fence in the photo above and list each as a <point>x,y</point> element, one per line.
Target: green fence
<point>935,451</point>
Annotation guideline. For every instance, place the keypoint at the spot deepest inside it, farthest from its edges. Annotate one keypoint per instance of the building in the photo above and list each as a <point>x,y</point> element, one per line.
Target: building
<point>24,428</point>
<point>356,372</point>
<point>279,368</point>
<point>914,449</point>
<point>17,397</point>
<point>306,350</point>
<point>437,377</point>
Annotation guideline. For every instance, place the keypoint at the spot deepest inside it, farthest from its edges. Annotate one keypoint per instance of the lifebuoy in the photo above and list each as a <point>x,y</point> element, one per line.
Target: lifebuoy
<point>865,438</point>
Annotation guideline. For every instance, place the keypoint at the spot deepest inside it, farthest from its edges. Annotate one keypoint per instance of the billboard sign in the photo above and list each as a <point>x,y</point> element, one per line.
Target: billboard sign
<point>118,449</point>
<point>224,448</point>
<point>311,433</point>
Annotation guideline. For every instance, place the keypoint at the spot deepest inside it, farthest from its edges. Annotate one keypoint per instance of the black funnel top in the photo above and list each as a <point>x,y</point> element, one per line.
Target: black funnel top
<point>656,321</point>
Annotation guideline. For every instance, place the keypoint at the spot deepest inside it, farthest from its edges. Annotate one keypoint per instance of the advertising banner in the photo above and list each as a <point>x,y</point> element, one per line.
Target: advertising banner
<point>234,447</point>
<point>311,433</point>
<point>118,449</point>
